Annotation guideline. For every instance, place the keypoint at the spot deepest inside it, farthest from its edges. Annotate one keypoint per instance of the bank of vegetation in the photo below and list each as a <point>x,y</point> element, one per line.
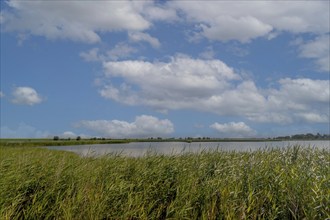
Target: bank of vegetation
<point>58,141</point>
<point>291,183</point>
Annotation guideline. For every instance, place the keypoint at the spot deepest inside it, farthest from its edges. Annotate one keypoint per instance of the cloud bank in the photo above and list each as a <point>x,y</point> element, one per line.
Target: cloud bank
<point>319,50</point>
<point>234,129</point>
<point>213,86</point>
<point>71,19</point>
<point>143,126</point>
<point>244,21</point>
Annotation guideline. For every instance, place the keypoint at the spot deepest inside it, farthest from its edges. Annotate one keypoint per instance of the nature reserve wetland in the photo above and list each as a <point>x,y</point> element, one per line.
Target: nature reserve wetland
<point>268,183</point>
<point>136,149</point>
<point>165,109</point>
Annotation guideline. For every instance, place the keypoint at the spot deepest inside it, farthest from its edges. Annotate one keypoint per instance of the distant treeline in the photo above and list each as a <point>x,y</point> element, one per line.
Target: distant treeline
<point>307,136</point>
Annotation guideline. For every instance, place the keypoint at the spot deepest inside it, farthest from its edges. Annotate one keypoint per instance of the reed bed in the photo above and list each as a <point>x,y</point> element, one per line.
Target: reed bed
<point>292,183</point>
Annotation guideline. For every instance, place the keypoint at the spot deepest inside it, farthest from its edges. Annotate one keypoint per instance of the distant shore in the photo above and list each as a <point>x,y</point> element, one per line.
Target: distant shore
<point>56,141</point>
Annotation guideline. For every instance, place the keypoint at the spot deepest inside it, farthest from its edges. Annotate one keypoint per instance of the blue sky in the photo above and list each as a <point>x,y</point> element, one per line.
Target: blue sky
<point>164,68</point>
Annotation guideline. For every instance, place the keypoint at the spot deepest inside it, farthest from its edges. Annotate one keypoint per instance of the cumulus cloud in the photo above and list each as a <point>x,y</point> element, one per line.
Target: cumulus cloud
<point>216,20</point>
<point>301,91</point>
<point>319,50</point>
<point>212,86</point>
<point>143,126</point>
<point>121,50</point>
<point>245,21</point>
<point>233,27</point>
<point>159,12</point>
<point>26,96</point>
<point>72,20</point>
<point>238,20</point>
<point>139,36</point>
<point>311,117</point>
<point>92,55</point>
<point>22,131</point>
<point>183,82</point>
<point>180,83</point>
<point>297,99</point>
<point>234,129</point>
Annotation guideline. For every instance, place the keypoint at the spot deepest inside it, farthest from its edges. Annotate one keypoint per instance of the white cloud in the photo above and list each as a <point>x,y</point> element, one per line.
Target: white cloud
<point>2,94</point>
<point>309,100</point>
<point>26,96</point>
<point>300,94</point>
<point>72,19</point>
<point>228,28</point>
<point>92,55</point>
<point>216,20</point>
<point>143,126</point>
<point>297,99</point>
<point>22,131</point>
<point>234,129</point>
<point>244,99</point>
<point>139,36</point>
<point>247,20</point>
<point>318,49</point>
<point>158,12</point>
<point>121,50</point>
<point>311,117</point>
<point>182,82</point>
<point>212,86</point>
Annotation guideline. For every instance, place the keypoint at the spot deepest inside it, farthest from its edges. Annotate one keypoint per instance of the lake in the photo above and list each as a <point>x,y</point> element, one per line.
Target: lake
<point>136,149</point>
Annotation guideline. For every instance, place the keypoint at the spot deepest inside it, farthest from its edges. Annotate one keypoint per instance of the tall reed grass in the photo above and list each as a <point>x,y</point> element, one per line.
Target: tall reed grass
<point>293,183</point>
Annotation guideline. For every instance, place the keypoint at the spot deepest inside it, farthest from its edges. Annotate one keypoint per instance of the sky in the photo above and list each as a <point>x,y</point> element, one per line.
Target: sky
<point>138,69</point>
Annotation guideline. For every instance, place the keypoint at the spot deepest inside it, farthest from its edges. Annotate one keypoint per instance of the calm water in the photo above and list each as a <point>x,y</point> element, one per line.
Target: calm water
<point>137,149</point>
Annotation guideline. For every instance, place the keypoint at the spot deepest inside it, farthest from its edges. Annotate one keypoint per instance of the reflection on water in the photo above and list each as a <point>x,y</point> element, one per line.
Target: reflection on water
<point>136,149</point>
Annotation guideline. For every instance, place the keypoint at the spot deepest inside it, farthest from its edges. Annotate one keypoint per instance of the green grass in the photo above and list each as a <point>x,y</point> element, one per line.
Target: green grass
<point>276,184</point>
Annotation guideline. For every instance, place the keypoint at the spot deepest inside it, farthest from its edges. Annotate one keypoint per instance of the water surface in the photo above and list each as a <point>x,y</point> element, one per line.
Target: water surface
<point>136,149</point>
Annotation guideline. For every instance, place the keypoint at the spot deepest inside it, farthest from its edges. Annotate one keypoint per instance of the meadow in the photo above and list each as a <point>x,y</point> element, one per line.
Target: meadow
<point>292,183</point>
